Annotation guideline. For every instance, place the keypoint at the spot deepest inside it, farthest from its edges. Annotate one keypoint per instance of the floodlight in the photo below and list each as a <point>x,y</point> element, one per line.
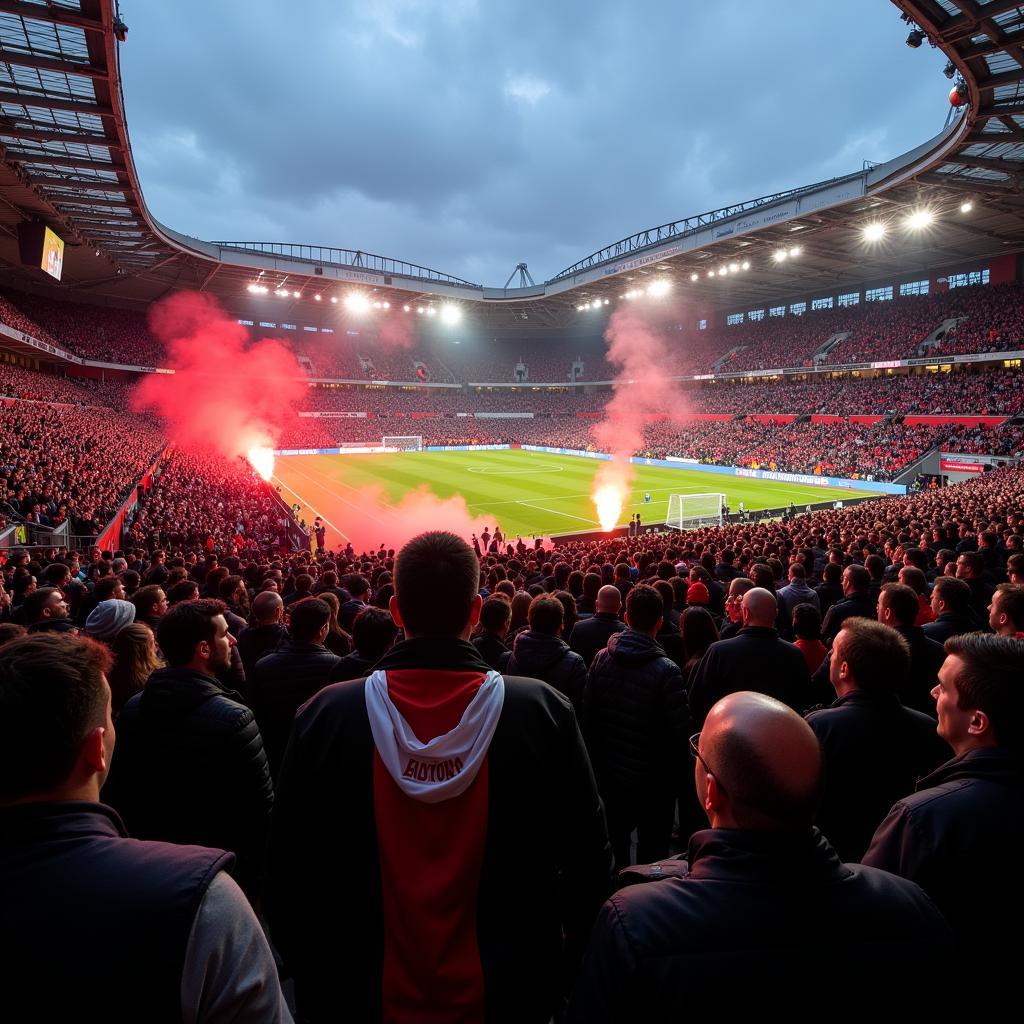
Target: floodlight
<point>431,311</point>
<point>915,39</point>
<point>874,232</point>
<point>606,302</point>
<point>356,302</point>
<point>334,299</point>
<point>317,297</point>
<point>734,268</point>
<point>795,251</point>
<point>658,288</point>
<point>579,309</point>
<point>920,219</point>
<point>746,264</point>
<point>419,309</point>
<point>780,255</point>
<point>711,273</point>
<point>450,313</point>
<point>405,309</point>
<point>386,305</point>
<point>295,295</point>
<point>949,70</point>
<point>694,277</point>
<point>966,206</point>
<point>722,271</point>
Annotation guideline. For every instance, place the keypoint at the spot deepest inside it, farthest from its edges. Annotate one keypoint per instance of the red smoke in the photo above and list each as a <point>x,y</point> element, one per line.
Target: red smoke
<point>641,392</point>
<point>225,393</point>
<point>396,332</point>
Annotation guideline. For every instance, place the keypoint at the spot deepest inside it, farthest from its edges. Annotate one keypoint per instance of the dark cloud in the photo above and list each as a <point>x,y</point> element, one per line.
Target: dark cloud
<point>471,135</point>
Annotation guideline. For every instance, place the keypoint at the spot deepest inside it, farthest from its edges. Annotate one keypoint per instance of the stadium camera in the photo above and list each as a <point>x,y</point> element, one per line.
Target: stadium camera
<point>915,39</point>
<point>949,70</point>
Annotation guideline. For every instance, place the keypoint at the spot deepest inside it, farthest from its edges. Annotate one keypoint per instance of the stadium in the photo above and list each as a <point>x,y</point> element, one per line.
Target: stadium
<point>828,379</point>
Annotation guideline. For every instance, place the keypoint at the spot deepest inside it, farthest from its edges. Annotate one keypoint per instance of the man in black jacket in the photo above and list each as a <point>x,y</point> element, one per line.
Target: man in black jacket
<point>960,835</point>
<point>287,678</point>
<point>970,567</point>
<point>420,811</point>
<point>190,766</point>
<point>373,634</point>
<point>951,605</point>
<point>875,748</point>
<point>540,652</point>
<point>495,616</point>
<point>898,607</point>
<point>635,719</point>
<point>97,926</point>
<point>763,925</point>
<point>857,602</point>
<point>592,635</point>
<point>268,633</point>
<point>755,659</point>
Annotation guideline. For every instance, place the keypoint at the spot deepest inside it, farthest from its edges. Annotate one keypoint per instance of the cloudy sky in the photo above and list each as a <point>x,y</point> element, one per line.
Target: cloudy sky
<point>470,135</point>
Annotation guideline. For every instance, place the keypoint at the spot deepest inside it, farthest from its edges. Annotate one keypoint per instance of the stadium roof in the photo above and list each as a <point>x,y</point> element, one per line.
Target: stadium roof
<point>67,162</point>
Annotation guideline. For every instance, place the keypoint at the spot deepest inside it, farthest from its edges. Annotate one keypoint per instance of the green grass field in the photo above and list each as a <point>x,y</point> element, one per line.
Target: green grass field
<point>528,493</point>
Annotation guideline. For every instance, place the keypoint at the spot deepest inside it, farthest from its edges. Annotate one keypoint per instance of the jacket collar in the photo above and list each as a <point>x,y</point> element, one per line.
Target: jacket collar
<point>742,855</point>
<point>442,654</point>
<point>867,699</point>
<point>760,631</point>
<point>992,764</point>
<point>39,821</point>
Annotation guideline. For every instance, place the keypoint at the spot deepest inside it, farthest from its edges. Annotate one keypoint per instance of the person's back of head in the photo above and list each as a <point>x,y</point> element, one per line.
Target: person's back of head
<point>107,588</point>
<point>437,578</point>
<point>54,693</point>
<point>183,591</point>
<point>664,588</point>
<point>358,586</point>
<point>1007,611</point>
<point>622,571</point>
<point>267,608</point>
<point>868,656</point>
<point>832,573</point>
<point>135,660</point>
<point>911,576</point>
<point>759,766</point>
<point>187,632</point>
<point>970,565</point>
<point>55,575</point>
<point>980,699</point>
<point>875,566</point>
<point>806,622</point>
<point>763,577</point>
<point>898,606</point>
<point>916,558</point>
<point>797,572</point>
<point>591,586</point>
<point>698,631</point>
<point>954,593</point>
<point>609,600</point>
<point>856,579</point>
<point>374,632</point>
<point>546,615</point>
<point>309,620</point>
<point>759,608</point>
<point>496,614</point>
<point>644,609</point>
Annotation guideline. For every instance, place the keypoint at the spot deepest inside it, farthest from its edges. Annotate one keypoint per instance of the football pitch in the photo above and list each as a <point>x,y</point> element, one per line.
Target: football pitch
<point>527,493</point>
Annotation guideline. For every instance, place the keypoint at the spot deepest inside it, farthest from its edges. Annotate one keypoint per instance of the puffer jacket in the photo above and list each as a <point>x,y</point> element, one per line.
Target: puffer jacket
<point>636,720</point>
<point>190,768</point>
<point>548,658</point>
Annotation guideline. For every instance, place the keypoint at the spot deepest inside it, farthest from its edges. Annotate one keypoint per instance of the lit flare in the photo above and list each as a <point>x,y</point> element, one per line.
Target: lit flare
<point>262,460</point>
<point>608,502</point>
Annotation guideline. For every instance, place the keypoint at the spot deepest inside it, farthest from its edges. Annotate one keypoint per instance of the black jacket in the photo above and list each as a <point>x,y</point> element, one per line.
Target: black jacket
<point>766,926</point>
<point>546,848</point>
<point>548,658</point>
<point>635,717</point>
<point>281,683</point>
<point>926,658</point>
<point>755,659</point>
<point>875,751</point>
<point>592,635</point>
<point>960,838</point>
<point>256,641</point>
<point>859,604</point>
<point>948,624</point>
<point>352,666</point>
<point>828,595</point>
<point>190,768</point>
<point>493,650</point>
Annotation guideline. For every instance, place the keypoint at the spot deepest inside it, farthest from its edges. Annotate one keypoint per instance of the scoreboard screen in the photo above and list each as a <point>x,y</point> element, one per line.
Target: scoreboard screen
<point>53,254</point>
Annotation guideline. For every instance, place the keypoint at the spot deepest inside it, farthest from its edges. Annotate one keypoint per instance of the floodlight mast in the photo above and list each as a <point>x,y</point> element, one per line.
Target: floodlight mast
<point>525,277</point>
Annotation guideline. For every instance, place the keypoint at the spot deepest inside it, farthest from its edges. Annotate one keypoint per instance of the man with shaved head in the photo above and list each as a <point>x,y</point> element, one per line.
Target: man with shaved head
<point>266,634</point>
<point>591,635</point>
<point>757,658</point>
<point>765,919</point>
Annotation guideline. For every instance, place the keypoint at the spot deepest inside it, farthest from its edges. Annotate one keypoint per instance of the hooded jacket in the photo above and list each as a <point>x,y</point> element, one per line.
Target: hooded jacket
<point>635,716</point>
<point>386,904</point>
<point>765,926</point>
<point>591,635</point>
<point>545,657</point>
<point>190,768</point>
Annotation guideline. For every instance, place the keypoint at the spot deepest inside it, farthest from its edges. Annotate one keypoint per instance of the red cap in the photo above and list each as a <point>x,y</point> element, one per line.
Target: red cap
<point>697,593</point>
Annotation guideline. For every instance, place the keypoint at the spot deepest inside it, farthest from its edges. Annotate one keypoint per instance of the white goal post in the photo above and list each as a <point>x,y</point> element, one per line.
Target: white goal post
<point>686,511</point>
<point>404,443</point>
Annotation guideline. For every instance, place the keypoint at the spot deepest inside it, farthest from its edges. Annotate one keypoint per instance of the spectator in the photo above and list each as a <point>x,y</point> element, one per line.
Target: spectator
<point>97,926</point>
<point>830,590</point>
<point>734,606</point>
<point>951,606</point>
<point>756,658</point>
<point>635,719</point>
<point>807,633</point>
<point>495,616</point>
<point>374,634</point>
<point>540,653</point>
<point>220,793</point>
<point>516,770</point>
<point>592,635</point>
<point>135,660</point>
<point>338,641</point>
<point>959,836</point>
<point>898,607</point>
<point>698,631</point>
<point>766,901</point>
<point>359,588</point>
<point>108,618</point>
<point>46,611</point>
<point>266,634</point>
<point>1006,613</point>
<point>875,748</point>
<point>857,602</point>
<point>286,678</point>
<point>798,592</point>
<point>150,605</point>
<point>970,567</point>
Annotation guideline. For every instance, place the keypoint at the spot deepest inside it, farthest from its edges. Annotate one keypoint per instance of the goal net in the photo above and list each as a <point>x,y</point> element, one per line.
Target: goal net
<point>686,511</point>
<point>403,443</point>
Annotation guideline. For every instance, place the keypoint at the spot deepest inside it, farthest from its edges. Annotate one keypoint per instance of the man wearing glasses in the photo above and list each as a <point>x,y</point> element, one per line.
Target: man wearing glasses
<point>768,915</point>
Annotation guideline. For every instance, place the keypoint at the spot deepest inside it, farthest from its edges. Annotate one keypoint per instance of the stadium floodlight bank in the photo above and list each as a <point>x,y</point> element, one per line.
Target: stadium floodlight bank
<point>687,511</point>
<point>403,443</point>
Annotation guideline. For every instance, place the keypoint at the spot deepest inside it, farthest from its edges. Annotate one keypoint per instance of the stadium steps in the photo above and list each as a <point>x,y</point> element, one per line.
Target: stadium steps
<point>823,350</point>
<point>938,335</point>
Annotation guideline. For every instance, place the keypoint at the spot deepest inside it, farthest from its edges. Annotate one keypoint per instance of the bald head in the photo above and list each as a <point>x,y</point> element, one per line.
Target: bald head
<point>767,762</point>
<point>609,599</point>
<point>759,607</point>
<point>267,607</point>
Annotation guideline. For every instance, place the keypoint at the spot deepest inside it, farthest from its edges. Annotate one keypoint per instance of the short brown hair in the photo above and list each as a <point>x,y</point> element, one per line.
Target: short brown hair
<point>437,576</point>
<point>877,655</point>
<point>1011,602</point>
<point>991,682</point>
<point>52,693</point>
<point>546,614</point>
<point>902,601</point>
